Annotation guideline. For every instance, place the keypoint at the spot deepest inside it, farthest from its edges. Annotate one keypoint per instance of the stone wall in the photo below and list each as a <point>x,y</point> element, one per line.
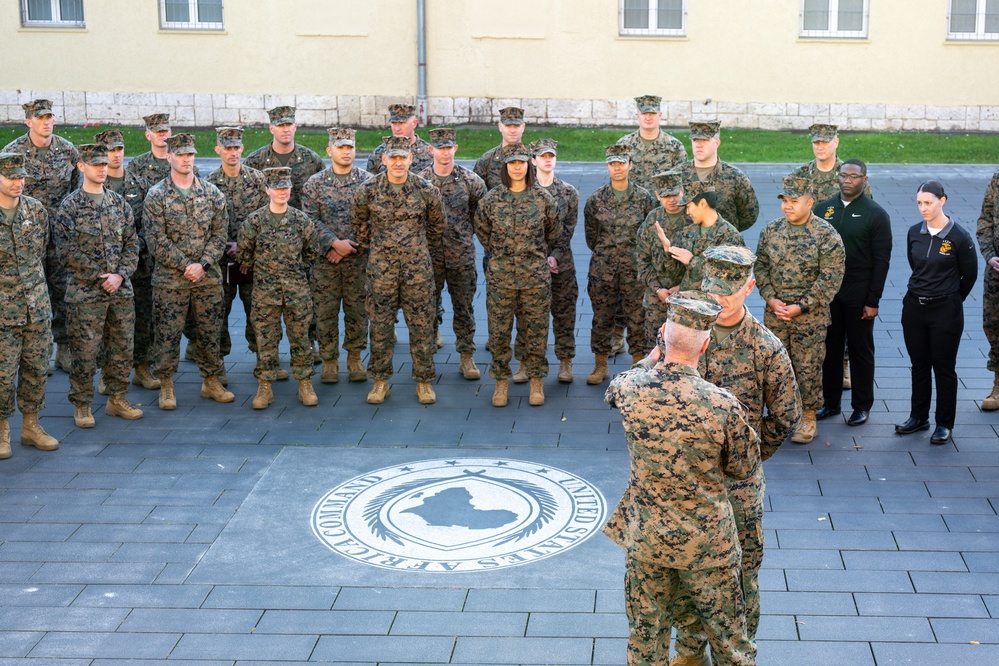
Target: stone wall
<point>204,110</point>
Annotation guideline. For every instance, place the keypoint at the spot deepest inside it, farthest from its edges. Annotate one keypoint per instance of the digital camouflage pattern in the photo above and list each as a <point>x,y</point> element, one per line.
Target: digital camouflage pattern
<point>281,250</point>
<point>488,167</point>
<point>685,436</point>
<point>518,231</point>
<point>403,230</point>
<point>649,158</point>
<point>737,200</point>
<point>697,239</point>
<point>565,289</point>
<point>987,233</point>
<point>304,163</point>
<point>655,268</point>
<point>804,265</point>
<point>422,159</point>
<point>824,184</point>
<point>25,312</point>
<point>149,168</point>
<point>460,192</point>
<point>611,228</point>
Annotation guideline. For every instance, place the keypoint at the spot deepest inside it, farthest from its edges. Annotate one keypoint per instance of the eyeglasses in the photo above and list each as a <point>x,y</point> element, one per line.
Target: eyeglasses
<point>851,176</point>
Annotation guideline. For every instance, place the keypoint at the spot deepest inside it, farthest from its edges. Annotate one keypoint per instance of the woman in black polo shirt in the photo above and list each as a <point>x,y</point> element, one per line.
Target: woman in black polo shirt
<point>944,269</point>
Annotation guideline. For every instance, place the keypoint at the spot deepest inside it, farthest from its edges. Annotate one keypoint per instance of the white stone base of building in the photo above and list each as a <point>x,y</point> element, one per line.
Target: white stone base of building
<point>214,110</point>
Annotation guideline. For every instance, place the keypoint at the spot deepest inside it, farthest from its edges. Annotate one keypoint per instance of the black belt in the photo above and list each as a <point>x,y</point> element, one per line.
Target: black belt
<point>927,300</point>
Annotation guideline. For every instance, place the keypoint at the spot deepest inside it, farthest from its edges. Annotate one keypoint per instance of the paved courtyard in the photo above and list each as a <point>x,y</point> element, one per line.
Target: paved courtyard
<point>217,534</point>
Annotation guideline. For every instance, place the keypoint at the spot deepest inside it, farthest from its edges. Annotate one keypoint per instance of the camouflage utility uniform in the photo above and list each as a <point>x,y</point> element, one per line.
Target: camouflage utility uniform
<point>656,269</point>
<point>988,244</point>
<point>303,162</point>
<point>422,158</point>
<point>825,184</point>
<point>697,239</point>
<point>651,157</point>
<point>565,288</point>
<point>737,200</point>
<point>488,167</point>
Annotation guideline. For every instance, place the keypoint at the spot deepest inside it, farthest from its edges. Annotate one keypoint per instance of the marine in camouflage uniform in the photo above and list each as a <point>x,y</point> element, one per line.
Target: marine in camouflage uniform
<point>708,229</point>
<point>988,243</point>
<point>280,244</point>
<point>186,232</point>
<point>686,437</point>
<point>824,183</point>
<point>652,150</point>
<point>511,126</point>
<point>460,191</point>
<point>399,218</point>
<point>152,166</point>
<point>748,360</point>
<point>328,199</point>
<point>611,218</point>
<point>245,192</point>
<point>800,263</point>
<point>737,200</point>
<point>403,120</point>
<point>133,188</point>
<point>517,224</point>
<point>25,314</point>
<point>50,163</point>
<point>658,272</point>
<point>284,152</point>
<point>98,244</point>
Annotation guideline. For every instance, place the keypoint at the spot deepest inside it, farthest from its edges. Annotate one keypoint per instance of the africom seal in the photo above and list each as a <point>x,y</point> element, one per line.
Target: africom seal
<point>465,514</point>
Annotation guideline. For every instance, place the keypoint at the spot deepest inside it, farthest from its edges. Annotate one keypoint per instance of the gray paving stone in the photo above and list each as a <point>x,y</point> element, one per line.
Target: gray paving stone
<point>143,596</point>
<point>330,622</point>
<point>802,559</point>
<point>18,643</point>
<point>92,514</point>
<point>531,601</point>
<point>37,531</point>
<point>916,522</point>
<point>836,539</point>
<point>173,573</point>
<point>610,651</point>
<point>947,506</point>
<point>783,520</point>
<point>92,572</point>
<point>191,621</point>
<point>777,628</point>
<point>244,647</point>
<point>385,649</point>
<point>809,603</point>
<point>75,644</point>
<point>159,552</point>
<point>580,625</point>
<point>922,605</point>
<point>813,653</point>
<point>824,505</point>
<point>610,601</point>
<point>889,654</point>
<point>564,651</point>
<point>270,597</point>
<point>13,551</point>
<point>35,479</point>
<point>972,523</point>
<point>903,561</point>
<point>875,488</point>
<point>162,498</point>
<point>184,514</point>
<point>39,595</point>
<point>982,562</point>
<point>71,496</point>
<point>99,480</point>
<point>60,619</point>
<point>133,533</point>
<point>956,583</point>
<point>962,541</point>
<point>865,629</point>
<point>845,581</point>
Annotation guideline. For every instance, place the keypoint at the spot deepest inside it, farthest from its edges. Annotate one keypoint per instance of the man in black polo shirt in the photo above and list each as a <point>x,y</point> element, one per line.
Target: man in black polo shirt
<point>866,231</point>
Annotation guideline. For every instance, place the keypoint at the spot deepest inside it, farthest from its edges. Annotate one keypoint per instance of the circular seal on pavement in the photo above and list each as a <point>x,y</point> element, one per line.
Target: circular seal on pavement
<point>459,514</point>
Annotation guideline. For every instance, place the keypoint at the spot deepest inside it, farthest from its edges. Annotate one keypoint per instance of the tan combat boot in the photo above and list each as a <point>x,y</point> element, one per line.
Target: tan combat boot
<point>283,375</point>
<point>5,451</point>
<point>600,371</point>
<point>144,377</point>
<point>265,396</point>
<point>223,377</point>
<point>807,429</point>
<point>63,359</point>
<point>468,368</point>
<point>565,370</point>
<point>501,394</point>
<point>307,394</point>
<point>701,659</point>
<point>168,401</point>
<point>211,388</point>
<point>537,396</point>
<point>32,434</point>
<point>330,374</point>
<point>991,402</point>
<point>355,369</point>
<point>520,376</point>
<point>378,392</point>
<point>425,393</point>
<point>101,387</point>
<point>617,341</point>
<point>83,417</point>
<point>118,405</point>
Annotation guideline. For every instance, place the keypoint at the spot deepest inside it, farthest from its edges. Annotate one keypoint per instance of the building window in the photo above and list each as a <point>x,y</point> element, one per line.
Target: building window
<point>834,18</point>
<point>973,19</point>
<point>44,13</point>
<point>652,17</point>
<point>191,15</point>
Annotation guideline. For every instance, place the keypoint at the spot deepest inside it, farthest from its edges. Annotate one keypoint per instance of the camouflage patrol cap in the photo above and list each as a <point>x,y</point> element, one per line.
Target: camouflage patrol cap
<point>110,139</point>
<point>617,153</point>
<point>692,190</point>
<point>181,144</point>
<point>278,177</point>
<point>649,103</point>
<point>704,129</point>
<point>341,136</point>
<point>282,115</point>
<point>94,154</point>
<point>512,115</point>
<point>12,165</point>
<point>515,152</point>
<point>543,146</point>
<point>399,113</point>
<point>794,187</point>
<point>443,137</point>
<point>157,122</point>
<point>397,146</point>
<point>37,108</point>
<point>668,183</point>
<point>693,310</point>
<point>823,132</point>
<point>726,269</point>
<point>229,137</point>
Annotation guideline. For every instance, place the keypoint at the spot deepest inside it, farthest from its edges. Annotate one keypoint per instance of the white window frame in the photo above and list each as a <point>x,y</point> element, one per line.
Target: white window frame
<point>56,21</point>
<point>194,23</point>
<point>979,35</point>
<point>833,31</point>
<point>652,31</point>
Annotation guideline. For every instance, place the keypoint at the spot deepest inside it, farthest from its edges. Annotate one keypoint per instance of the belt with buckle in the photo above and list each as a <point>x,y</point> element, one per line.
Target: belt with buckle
<point>927,300</point>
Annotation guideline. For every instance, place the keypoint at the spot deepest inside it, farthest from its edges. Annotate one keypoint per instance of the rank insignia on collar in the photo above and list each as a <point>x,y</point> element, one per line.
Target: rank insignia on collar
<point>830,212</point>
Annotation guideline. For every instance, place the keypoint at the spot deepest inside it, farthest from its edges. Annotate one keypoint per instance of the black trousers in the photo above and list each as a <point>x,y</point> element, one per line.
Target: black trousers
<point>932,333</point>
<point>847,326</point>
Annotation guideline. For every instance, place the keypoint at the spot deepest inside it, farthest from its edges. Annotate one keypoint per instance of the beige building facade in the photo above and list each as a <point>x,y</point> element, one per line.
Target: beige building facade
<point>774,64</point>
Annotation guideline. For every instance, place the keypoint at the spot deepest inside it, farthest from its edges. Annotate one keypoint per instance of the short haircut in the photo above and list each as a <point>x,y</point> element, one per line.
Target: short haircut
<point>710,197</point>
<point>686,341</point>
<point>531,176</point>
<point>855,162</point>
<point>933,187</point>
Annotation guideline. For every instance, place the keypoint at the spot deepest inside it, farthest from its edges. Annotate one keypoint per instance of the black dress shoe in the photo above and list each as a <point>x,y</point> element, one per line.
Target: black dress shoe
<point>859,417</point>
<point>912,425</point>
<point>825,412</point>
<point>941,435</point>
